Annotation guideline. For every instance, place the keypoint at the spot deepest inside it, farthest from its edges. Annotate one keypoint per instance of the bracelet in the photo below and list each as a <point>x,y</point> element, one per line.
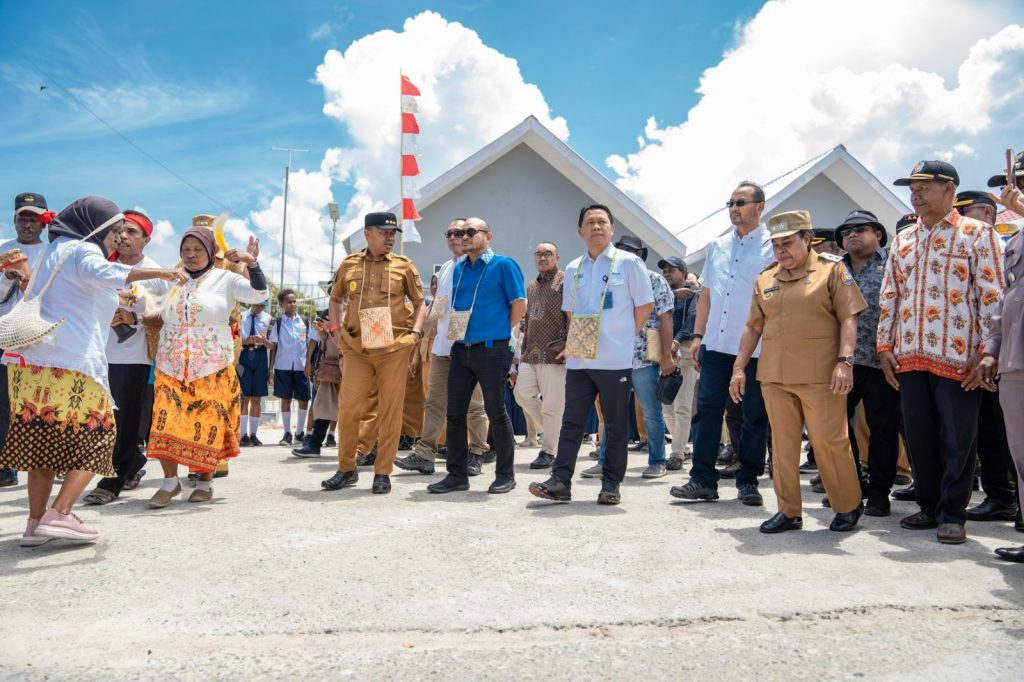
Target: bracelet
<point>696,336</point>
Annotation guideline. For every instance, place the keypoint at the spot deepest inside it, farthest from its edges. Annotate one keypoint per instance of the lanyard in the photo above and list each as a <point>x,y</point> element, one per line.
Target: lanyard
<point>607,281</point>
<point>459,282</point>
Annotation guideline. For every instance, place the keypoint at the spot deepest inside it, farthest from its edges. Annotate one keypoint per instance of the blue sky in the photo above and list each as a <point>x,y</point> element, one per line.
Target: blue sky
<point>209,88</point>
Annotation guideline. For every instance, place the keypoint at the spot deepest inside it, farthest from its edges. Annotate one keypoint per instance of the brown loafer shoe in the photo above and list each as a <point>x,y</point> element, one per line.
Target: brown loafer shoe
<point>200,495</point>
<point>918,521</point>
<point>162,498</point>
<point>951,534</point>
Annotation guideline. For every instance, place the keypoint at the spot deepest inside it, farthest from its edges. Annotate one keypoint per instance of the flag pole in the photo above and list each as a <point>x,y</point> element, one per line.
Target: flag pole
<point>400,150</point>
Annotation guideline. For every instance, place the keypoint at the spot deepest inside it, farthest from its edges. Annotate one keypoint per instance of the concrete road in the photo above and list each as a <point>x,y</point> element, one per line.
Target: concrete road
<point>277,579</point>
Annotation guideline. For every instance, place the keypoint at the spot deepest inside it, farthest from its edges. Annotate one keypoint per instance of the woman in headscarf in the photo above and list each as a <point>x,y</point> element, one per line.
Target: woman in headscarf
<point>196,404</point>
<point>63,415</point>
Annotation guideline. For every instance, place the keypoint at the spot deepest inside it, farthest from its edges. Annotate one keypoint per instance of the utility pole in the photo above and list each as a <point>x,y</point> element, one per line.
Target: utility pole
<point>284,226</point>
<point>332,210</point>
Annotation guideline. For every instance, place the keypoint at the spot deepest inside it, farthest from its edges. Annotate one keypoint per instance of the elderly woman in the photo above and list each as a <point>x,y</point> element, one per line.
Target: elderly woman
<point>196,403</point>
<point>805,307</point>
<point>60,398</point>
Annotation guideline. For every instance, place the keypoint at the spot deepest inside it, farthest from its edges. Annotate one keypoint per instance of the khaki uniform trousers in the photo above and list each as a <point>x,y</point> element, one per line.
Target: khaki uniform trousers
<point>788,407</point>
<point>367,424</point>
<point>363,373</point>
<point>412,408</point>
<point>435,413</point>
<point>540,391</point>
<point>679,414</point>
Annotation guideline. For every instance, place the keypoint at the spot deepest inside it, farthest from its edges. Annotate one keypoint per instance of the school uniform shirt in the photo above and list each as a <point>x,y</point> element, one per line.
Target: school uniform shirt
<point>291,343</point>
<point>628,287</point>
<point>135,351</point>
<point>731,267</point>
<point>10,292</point>
<point>263,322</point>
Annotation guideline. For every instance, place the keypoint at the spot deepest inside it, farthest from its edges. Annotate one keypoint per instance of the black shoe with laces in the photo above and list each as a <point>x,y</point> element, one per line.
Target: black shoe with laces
<point>330,442</point>
<point>609,493</point>
<point>694,490</point>
<point>448,484</point>
<point>489,457</point>
<point>748,495</point>
<point>244,442</point>
<point>254,441</point>
<point>286,439</point>
<point>473,465</point>
<point>544,460</point>
<point>414,462</point>
<point>406,442</point>
<point>993,510</point>
<point>552,489</point>
<point>366,460</point>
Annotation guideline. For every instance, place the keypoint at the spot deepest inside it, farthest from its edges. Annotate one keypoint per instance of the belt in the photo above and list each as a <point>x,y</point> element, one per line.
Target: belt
<point>252,347</point>
<point>486,344</point>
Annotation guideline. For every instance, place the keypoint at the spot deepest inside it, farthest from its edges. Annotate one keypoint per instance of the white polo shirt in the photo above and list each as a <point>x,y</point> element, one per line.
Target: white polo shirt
<point>628,287</point>
<point>442,346</point>
<point>291,343</point>
<point>134,351</point>
<point>731,267</point>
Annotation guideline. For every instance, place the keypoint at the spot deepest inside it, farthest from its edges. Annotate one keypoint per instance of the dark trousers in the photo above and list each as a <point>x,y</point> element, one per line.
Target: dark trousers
<point>941,422</point>
<point>582,386</point>
<point>319,433</point>
<point>488,366</point>
<point>127,383</point>
<point>882,413</point>
<point>715,373</point>
<point>994,451</point>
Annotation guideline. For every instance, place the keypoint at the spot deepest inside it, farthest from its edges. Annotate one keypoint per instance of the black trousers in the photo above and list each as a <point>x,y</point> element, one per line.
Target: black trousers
<point>582,386</point>
<point>882,413</point>
<point>487,365</point>
<point>941,423</point>
<point>127,383</point>
<point>994,451</point>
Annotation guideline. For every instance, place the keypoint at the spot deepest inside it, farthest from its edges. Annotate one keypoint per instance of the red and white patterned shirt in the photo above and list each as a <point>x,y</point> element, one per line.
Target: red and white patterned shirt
<point>940,288</point>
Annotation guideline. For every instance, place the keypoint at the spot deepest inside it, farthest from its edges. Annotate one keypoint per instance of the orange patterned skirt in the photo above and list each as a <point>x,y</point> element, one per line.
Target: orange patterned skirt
<point>195,423</point>
<point>61,420</point>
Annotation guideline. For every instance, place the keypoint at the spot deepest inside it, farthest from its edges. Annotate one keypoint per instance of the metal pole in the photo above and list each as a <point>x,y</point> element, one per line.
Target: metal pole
<point>334,239</point>
<point>284,226</point>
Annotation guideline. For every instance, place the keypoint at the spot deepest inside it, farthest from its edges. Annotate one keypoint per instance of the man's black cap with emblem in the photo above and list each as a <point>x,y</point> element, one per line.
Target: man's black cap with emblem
<point>630,243</point>
<point>820,235</point>
<point>1018,173</point>
<point>857,218</point>
<point>939,171</point>
<point>906,221</point>
<point>30,201</point>
<point>973,198</point>
<point>673,262</point>
<point>383,220</point>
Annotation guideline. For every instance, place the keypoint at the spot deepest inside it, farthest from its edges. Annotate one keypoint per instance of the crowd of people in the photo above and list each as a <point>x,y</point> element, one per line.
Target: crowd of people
<point>881,355</point>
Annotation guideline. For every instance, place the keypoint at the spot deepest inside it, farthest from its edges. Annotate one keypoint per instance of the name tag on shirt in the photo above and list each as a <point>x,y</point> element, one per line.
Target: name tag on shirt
<point>608,302</point>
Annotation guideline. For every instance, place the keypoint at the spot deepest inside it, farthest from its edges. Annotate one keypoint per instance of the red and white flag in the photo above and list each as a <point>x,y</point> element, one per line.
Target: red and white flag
<point>410,169</point>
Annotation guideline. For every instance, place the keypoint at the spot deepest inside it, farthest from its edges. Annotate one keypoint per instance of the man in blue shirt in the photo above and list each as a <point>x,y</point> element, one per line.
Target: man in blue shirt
<point>612,285</point>
<point>488,301</point>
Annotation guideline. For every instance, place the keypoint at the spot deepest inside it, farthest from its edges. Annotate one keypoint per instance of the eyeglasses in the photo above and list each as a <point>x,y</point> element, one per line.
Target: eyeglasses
<point>739,203</point>
<point>468,232</point>
<point>543,254</point>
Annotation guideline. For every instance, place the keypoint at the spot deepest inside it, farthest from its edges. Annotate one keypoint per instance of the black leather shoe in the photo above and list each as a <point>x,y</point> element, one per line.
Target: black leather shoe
<point>1011,554</point>
<point>473,465</point>
<point>904,494</point>
<point>878,508</point>
<point>406,442</point>
<point>748,495</point>
<point>415,463</point>
<point>1018,523</point>
<point>381,484</point>
<point>489,457</point>
<point>448,484</point>
<point>847,521</point>
<point>808,467</point>
<point>244,442</point>
<point>254,441</point>
<point>502,484</point>
<point>902,480</point>
<point>307,450</point>
<point>442,452</point>
<point>341,479</point>
<point>551,489</point>
<point>609,493</point>
<point>780,523</point>
<point>816,485</point>
<point>544,461</point>
<point>992,510</point>
<point>366,460</point>
<point>330,442</point>
<point>918,521</point>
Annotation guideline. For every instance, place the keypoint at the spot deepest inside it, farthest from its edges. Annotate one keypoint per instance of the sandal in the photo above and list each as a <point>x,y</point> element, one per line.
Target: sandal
<point>133,482</point>
<point>99,496</point>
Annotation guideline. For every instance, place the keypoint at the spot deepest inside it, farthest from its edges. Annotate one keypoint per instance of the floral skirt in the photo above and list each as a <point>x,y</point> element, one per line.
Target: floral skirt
<point>195,423</point>
<point>60,420</point>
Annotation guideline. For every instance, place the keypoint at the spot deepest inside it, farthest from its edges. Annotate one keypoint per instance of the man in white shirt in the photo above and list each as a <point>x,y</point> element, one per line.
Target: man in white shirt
<point>254,360</point>
<point>290,339</point>
<point>128,360</point>
<point>731,266</point>
<point>436,409</point>
<point>29,207</point>
<point>614,286</point>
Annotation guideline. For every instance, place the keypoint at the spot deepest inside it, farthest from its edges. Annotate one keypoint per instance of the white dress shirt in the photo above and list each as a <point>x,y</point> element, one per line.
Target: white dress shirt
<point>628,287</point>
<point>731,267</point>
<point>442,346</point>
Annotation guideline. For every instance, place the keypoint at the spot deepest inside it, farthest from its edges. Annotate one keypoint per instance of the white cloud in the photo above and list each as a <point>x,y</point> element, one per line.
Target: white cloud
<point>163,234</point>
<point>894,81</point>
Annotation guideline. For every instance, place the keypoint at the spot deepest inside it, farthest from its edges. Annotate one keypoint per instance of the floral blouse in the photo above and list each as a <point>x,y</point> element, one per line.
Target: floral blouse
<point>195,340</point>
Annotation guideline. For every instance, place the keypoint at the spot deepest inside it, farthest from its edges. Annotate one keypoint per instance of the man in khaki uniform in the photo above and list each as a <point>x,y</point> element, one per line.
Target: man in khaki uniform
<point>370,287</point>
<point>805,305</point>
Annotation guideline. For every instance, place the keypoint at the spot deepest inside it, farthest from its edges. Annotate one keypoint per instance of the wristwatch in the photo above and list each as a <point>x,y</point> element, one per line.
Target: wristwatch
<point>848,359</point>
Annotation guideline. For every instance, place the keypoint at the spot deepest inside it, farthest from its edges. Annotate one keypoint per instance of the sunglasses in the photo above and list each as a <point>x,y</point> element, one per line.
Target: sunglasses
<point>739,203</point>
<point>468,232</point>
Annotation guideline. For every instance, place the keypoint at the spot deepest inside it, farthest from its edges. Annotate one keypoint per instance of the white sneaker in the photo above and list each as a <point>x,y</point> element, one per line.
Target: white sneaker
<point>593,472</point>
<point>29,538</point>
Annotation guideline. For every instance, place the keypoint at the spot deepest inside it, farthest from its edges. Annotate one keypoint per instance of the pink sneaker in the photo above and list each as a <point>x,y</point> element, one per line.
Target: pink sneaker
<point>29,538</point>
<point>66,526</point>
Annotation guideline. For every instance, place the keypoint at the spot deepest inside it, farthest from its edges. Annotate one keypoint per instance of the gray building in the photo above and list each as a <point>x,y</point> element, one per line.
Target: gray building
<point>529,186</point>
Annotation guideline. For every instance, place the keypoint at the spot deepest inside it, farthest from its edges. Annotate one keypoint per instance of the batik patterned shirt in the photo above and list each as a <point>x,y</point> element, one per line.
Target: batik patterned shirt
<point>664,302</point>
<point>869,280</point>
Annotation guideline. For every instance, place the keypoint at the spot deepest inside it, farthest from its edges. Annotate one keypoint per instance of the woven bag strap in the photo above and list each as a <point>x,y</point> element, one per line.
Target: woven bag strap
<point>64,257</point>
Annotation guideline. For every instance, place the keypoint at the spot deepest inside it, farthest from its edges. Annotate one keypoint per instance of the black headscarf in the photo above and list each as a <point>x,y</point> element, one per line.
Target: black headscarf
<point>85,215</point>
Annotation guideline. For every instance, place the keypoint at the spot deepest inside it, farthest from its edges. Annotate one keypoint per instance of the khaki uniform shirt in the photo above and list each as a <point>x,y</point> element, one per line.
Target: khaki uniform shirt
<point>800,312</point>
<point>392,281</point>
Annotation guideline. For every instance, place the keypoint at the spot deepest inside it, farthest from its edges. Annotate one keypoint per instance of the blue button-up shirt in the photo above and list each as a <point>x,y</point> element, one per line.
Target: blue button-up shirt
<point>629,287</point>
<point>500,283</point>
<point>731,267</point>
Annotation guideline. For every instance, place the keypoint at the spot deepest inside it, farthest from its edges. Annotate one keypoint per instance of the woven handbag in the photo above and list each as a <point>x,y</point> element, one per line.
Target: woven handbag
<point>24,325</point>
